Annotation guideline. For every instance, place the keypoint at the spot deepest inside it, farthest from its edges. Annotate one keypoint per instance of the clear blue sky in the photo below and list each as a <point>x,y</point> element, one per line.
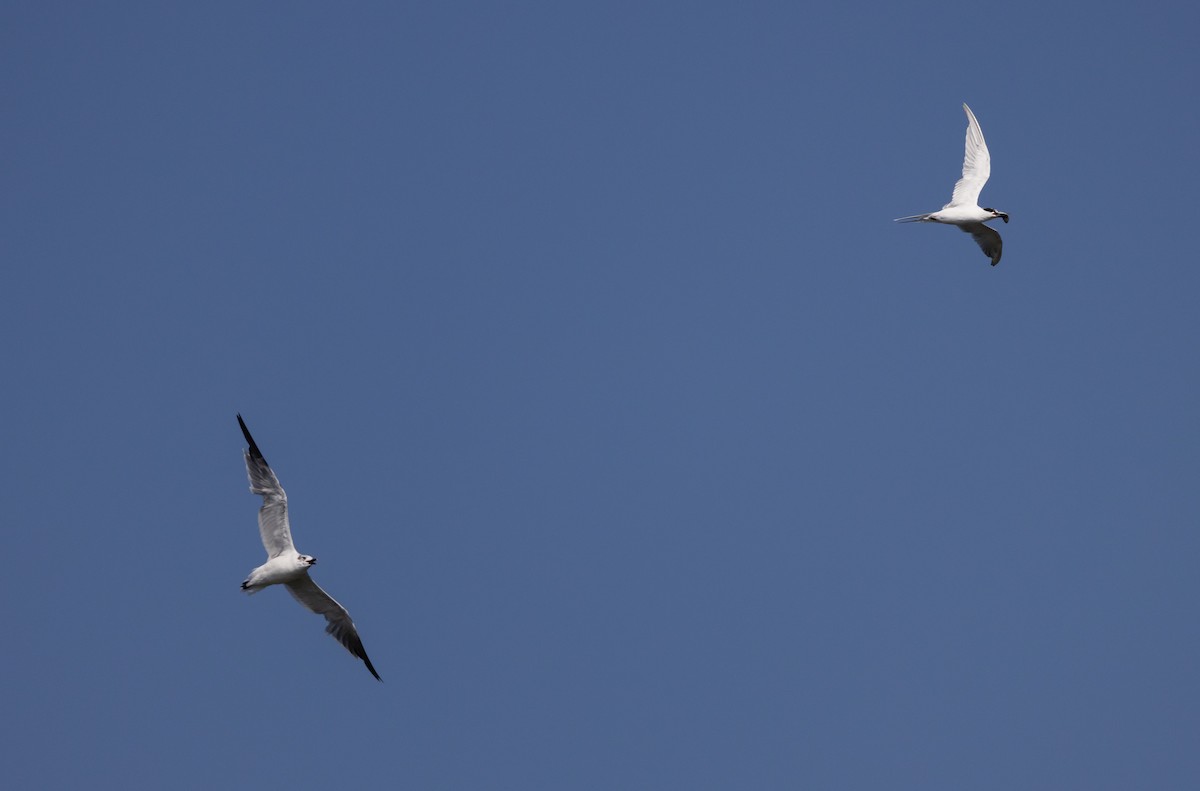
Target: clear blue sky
<point>645,450</point>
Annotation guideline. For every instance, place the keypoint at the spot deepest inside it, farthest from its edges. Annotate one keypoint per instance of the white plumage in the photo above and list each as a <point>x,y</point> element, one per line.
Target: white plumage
<point>285,566</point>
<point>963,209</point>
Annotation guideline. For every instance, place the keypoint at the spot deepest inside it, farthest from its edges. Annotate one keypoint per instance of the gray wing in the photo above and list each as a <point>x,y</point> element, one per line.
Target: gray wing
<point>977,166</point>
<point>988,240</point>
<point>308,593</point>
<point>273,516</point>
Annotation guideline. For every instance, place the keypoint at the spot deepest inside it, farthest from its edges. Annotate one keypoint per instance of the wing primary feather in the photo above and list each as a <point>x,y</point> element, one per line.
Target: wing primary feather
<point>988,239</point>
<point>339,624</point>
<point>977,165</point>
<point>273,524</point>
<point>254,451</point>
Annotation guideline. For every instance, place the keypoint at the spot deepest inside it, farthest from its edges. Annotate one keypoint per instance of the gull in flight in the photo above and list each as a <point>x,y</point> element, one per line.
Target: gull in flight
<point>284,564</point>
<point>963,209</point>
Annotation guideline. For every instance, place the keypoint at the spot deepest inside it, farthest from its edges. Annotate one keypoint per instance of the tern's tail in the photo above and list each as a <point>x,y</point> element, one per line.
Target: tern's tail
<point>913,218</point>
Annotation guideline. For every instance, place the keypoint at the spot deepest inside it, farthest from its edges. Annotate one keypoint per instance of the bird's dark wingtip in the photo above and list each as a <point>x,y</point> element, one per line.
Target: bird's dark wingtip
<point>254,451</point>
<point>351,642</point>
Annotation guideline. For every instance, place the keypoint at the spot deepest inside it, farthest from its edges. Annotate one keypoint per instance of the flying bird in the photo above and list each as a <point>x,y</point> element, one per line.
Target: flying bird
<point>284,564</point>
<point>963,209</point>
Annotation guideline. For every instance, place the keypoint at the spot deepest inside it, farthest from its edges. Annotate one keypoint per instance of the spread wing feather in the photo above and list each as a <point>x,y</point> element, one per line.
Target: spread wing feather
<point>988,240</point>
<point>309,593</point>
<point>273,516</point>
<point>977,166</point>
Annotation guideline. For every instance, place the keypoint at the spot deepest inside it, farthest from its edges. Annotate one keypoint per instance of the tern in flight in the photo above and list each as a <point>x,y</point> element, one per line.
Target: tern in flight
<point>284,564</point>
<point>963,209</point>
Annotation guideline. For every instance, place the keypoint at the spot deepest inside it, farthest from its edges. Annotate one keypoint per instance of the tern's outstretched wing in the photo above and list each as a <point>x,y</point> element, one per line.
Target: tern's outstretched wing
<point>273,516</point>
<point>308,593</point>
<point>977,166</point>
<point>988,240</point>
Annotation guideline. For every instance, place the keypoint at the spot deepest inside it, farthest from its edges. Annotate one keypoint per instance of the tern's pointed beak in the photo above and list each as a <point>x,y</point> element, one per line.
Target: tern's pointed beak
<point>1004,217</point>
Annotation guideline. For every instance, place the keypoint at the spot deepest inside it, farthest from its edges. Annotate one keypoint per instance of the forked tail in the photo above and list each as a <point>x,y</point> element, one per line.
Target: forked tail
<point>912,218</point>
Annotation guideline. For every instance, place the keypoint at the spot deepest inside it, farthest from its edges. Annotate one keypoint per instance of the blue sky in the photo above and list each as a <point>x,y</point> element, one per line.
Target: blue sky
<point>645,450</point>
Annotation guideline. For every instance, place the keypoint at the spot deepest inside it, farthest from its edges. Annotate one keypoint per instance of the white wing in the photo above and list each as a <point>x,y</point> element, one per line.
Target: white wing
<point>977,166</point>
<point>988,240</point>
<point>308,593</point>
<point>272,517</point>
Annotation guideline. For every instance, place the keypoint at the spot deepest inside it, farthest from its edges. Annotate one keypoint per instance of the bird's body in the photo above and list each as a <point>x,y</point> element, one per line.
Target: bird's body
<point>285,566</point>
<point>963,209</point>
<point>276,571</point>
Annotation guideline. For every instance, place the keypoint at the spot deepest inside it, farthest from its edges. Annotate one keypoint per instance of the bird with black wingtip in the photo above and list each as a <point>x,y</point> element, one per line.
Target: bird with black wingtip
<point>285,566</point>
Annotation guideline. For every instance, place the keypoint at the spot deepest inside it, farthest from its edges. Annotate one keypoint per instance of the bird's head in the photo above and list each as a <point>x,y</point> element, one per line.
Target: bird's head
<point>306,560</point>
<point>996,214</point>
